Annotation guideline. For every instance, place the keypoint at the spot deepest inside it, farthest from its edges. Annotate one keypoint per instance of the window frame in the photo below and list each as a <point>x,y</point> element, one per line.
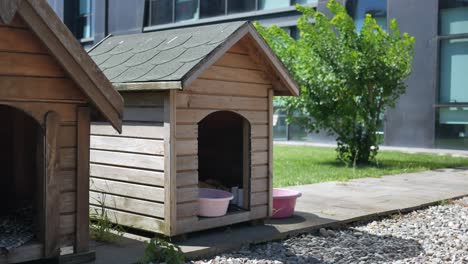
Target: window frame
<point>438,104</point>
<point>226,16</point>
<point>91,16</point>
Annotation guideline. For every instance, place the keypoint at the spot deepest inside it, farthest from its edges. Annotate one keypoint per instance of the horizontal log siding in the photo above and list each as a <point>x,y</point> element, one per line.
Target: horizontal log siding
<point>33,81</point>
<point>234,83</point>
<point>127,170</point>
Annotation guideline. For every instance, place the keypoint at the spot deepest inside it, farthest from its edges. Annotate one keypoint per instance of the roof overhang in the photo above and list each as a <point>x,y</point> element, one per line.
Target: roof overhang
<point>46,25</point>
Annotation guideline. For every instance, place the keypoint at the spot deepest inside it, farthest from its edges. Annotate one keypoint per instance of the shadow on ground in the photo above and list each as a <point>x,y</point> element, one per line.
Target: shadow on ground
<point>346,246</point>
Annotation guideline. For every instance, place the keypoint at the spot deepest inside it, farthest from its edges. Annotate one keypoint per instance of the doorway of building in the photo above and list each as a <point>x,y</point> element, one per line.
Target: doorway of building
<point>224,156</point>
<point>22,165</point>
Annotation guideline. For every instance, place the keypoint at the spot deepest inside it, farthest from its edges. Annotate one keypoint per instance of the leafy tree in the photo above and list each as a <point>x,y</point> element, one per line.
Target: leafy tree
<point>347,78</point>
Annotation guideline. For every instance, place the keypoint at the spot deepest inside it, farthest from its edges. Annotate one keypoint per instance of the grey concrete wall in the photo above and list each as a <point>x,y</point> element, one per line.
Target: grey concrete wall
<point>412,121</point>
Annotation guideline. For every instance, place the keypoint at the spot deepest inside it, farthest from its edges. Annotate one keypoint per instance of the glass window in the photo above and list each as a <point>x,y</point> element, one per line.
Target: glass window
<point>237,6</point>
<point>160,12</point>
<point>272,4</point>
<point>304,2</point>
<point>453,71</point>
<point>85,23</point>
<point>186,10</point>
<point>452,127</point>
<point>212,8</point>
<point>359,8</point>
<point>453,17</point>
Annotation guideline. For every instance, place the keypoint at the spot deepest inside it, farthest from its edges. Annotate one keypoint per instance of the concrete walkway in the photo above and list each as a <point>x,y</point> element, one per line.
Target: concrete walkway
<point>325,204</point>
<point>436,151</point>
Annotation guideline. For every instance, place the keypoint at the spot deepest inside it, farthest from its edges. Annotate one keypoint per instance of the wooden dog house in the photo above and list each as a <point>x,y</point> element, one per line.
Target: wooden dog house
<point>49,89</point>
<point>198,111</point>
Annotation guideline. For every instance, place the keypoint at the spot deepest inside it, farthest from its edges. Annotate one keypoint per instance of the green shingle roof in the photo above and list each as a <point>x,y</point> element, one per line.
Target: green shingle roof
<point>159,56</point>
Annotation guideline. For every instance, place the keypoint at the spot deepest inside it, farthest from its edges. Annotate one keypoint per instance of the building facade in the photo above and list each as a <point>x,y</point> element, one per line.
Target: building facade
<point>432,113</point>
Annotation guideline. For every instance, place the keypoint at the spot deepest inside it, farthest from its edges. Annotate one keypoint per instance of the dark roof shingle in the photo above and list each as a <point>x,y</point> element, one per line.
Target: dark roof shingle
<point>159,56</point>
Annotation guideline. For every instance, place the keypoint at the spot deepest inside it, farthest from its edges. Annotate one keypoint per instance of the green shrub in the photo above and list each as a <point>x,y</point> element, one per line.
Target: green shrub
<point>161,251</point>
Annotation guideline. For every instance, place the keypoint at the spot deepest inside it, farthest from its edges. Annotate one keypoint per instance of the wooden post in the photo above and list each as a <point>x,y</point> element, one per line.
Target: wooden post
<point>52,186</point>
<point>170,200</point>
<point>82,180</point>
<point>270,152</point>
<point>246,161</point>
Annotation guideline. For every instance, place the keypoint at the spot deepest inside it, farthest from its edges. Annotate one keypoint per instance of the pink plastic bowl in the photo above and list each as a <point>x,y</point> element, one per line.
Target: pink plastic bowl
<point>284,201</point>
<point>212,202</point>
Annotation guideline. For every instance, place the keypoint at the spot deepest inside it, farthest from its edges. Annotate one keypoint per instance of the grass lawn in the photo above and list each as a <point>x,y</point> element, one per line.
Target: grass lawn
<point>297,165</point>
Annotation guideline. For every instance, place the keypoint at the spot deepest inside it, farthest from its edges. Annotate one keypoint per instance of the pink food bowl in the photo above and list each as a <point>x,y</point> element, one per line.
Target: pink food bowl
<point>212,202</point>
<point>284,201</point>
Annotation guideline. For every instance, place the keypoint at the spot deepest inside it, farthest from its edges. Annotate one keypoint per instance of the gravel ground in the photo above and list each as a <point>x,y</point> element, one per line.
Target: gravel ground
<point>438,234</point>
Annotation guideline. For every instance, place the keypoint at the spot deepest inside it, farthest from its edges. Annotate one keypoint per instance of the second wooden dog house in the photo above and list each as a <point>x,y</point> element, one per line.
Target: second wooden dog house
<point>198,112</point>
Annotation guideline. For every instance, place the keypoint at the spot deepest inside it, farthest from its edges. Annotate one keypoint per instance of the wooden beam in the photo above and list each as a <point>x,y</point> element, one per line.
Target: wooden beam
<point>147,86</point>
<point>170,184</point>
<point>52,185</point>
<point>270,152</point>
<point>82,180</point>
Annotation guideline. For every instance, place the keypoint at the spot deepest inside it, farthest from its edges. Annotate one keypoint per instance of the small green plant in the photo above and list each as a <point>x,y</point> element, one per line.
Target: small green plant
<point>161,251</point>
<point>101,227</point>
<point>444,202</point>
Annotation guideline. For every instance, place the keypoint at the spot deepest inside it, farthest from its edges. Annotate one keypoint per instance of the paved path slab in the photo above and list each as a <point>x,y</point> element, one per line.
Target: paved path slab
<point>323,204</point>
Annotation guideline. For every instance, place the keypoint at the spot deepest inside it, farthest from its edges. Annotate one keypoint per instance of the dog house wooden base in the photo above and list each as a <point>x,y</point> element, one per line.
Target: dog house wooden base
<point>47,97</point>
<point>198,112</point>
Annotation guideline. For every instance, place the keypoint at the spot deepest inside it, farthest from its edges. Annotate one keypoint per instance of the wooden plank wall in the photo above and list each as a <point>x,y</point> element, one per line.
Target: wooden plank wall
<point>233,83</point>
<point>32,80</point>
<point>127,170</point>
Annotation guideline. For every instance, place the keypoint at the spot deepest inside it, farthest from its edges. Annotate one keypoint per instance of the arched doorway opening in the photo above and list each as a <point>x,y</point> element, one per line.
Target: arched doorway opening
<point>224,156</point>
<point>21,177</point>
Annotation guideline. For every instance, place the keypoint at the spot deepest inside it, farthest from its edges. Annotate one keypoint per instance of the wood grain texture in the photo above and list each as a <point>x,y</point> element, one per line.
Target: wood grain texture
<point>134,145</point>
<point>259,198</point>
<point>67,202</point>
<point>20,40</point>
<point>149,193</point>
<point>130,129</point>
<point>130,160</point>
<point>186,147</point>
<point>185,163</point>
<point>185,210</point>
<point>260,158</point>
<point>223,87</point>
<point>82,180</point>
<point>130,175</point>
<point>187,178</point>
<point>270,152</point>
<point>29,65</point>
<point>187,194</point>
<point>187,131</point>
<point>233,74</point>
<point>193,116</point>
<point>52,183</point>
<point>260,144</point>
<point>135,221</point>
<point>37,110</point>
<point>67,138</point>
<point>39,89</point>
<point>220,102</point>
<point>193,224</point>
<point>236,60</point>
<point>170,197</point>
<point>130,205</point>
<point>260,171</point>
